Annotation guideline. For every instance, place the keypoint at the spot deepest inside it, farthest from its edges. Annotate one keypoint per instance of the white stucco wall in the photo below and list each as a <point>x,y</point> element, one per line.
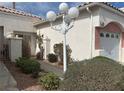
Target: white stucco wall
<point>96,22</point>
<point>12,22</point>
<point>15,23</point>
<point>78,38</point>
<point>108,16</point>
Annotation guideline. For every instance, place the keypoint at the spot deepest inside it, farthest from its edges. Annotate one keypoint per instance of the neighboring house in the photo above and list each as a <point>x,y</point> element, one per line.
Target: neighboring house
<point>17,33</point>
<point>99,33</point>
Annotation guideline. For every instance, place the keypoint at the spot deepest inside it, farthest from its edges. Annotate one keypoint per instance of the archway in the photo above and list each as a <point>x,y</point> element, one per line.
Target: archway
<point>108,39</point>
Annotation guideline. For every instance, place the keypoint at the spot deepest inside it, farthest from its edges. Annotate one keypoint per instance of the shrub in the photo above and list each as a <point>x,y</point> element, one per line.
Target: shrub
<point>58,49</point>
<point>97,74</point>
<point>20,61</point>
<point>50,81</point>
<point>35,74</point>
<point>17,62</point>
<point>28,65</point>
<point>121,84</point>
<point>31,66</point>
<point>38,55</point>
<point>52,58</point>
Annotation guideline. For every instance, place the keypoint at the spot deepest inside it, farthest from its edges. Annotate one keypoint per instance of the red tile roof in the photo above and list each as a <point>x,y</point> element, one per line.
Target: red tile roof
<point>106,3</point>
<point>18,12</point>
<point>85,4</point>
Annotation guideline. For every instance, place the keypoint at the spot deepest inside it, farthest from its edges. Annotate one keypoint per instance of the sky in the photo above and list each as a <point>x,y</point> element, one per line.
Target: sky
<point>41,8</point>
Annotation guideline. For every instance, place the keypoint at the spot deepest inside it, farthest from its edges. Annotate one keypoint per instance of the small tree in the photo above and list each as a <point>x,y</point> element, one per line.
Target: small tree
<point>58,49</point>
<point>39,38</point>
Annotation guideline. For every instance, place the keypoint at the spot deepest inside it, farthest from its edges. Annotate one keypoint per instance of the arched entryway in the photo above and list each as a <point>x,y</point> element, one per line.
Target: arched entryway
<point>109,39</point>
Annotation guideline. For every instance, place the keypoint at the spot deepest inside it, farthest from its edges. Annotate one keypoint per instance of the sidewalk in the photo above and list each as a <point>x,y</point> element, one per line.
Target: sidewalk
<point>7,82</point>
<point>50,68</point>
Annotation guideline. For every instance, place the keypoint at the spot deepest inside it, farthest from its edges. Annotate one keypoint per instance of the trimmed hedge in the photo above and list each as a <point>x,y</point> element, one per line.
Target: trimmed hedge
<point>52,58</point>
<point>28,65</point>
<point>97,74</point>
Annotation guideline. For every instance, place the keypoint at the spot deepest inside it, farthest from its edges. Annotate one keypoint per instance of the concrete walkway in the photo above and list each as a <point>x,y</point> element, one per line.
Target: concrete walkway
<point>50,68</point>
<point>7,82</point>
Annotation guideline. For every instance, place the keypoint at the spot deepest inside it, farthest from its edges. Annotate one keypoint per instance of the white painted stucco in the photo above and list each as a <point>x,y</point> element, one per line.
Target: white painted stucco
<point>78,38</point>
<point>13,22</point>
<point>107,16</point>
<point>81,38</point>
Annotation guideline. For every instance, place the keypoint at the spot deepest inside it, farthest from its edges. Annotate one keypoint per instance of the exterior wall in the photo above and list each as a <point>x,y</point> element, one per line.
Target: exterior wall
<point>106,17</point>
<point>78,38</point>
<point>96,22</point>
<point>15,23</point>
<point>81,39</point>
<point>12,22</point>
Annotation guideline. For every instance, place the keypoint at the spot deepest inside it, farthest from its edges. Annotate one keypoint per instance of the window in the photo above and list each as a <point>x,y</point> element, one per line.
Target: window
<point>112,35</point>
<point>117,36</point>
<point>101,35</point>
<point>107,35</point>
<point>19,35</point>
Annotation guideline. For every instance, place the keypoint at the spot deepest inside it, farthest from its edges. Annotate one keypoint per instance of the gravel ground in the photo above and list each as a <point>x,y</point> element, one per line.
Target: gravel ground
<point>24,81</point>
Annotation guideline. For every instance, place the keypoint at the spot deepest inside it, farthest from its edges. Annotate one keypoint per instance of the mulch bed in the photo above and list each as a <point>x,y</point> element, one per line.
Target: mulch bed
<point>24,81</point>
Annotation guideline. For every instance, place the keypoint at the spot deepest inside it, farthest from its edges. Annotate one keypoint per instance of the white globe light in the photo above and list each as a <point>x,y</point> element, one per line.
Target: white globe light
<point>63,7</point>
<point>73,12</point>
<point>51,16</point>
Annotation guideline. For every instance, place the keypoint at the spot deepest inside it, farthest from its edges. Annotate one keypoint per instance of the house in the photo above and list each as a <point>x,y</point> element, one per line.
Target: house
<point>17,33</point>
<point>98,31</point>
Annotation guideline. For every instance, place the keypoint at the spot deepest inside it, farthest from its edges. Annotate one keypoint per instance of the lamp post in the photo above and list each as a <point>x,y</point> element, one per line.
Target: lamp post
<point>68,16</point>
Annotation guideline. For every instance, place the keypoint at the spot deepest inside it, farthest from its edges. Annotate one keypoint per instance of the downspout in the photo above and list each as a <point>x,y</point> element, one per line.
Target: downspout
<point>91,29</point>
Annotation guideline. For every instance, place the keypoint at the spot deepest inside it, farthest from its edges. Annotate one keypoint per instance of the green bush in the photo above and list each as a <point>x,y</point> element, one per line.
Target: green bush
<point>28,65</point>
<point>97,74</point>
<point>20,61</point>
<point>38,55</point>
<point>58,50</point>
<point>50,81</point>
<point>31,66</point>
<point>52,58</point>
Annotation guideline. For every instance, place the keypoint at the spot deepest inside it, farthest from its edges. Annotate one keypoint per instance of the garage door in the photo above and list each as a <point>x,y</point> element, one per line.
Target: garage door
<point>109,45</point>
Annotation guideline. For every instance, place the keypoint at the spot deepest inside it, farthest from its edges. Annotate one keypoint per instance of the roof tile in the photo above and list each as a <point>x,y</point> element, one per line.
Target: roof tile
<point>18,12</point>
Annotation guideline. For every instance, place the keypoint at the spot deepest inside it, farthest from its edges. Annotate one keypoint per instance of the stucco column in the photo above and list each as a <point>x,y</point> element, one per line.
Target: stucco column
<point>15,48</point>
<point>46,47</point>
